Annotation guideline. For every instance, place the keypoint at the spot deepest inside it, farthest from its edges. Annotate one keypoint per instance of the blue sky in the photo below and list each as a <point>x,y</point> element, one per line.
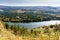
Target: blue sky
<point>30,2</point>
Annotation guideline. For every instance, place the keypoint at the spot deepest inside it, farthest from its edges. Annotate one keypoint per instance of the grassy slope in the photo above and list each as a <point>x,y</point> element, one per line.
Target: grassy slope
<point>6,35</point>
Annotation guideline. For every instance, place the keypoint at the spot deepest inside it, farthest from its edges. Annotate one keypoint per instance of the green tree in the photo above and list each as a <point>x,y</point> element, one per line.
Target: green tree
<point>7,26</point>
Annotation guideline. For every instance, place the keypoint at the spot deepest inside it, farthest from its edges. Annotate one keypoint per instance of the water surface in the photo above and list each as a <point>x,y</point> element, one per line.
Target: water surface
<point>36,24</point>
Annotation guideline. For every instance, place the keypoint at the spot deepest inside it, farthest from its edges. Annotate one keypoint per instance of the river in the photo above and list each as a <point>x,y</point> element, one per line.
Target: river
<point>36,24</point>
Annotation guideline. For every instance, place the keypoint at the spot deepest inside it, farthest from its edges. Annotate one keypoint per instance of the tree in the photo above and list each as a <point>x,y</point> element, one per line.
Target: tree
<point>7,26</point>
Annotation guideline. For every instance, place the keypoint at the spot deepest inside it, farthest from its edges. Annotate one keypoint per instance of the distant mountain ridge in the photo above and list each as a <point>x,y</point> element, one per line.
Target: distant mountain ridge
<point>31,8</point>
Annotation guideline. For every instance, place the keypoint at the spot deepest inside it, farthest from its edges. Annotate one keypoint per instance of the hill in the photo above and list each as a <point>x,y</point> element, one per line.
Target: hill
<point>51,32</point>
<point>47,8</point>
<point>44,9</point>
<point>6,35</point>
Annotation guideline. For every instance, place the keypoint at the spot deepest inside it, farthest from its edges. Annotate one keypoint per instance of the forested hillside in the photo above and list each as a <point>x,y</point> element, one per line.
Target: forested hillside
<point>27,16</point>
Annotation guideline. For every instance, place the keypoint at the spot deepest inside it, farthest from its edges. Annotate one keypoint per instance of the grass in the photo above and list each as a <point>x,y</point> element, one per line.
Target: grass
<point>40,33</point>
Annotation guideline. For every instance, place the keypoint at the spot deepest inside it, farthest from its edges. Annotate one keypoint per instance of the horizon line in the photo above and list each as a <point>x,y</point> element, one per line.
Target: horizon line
<point>31,5</point>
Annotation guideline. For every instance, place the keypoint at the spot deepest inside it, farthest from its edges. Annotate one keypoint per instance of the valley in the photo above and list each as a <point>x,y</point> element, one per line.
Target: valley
<point>29,23</point>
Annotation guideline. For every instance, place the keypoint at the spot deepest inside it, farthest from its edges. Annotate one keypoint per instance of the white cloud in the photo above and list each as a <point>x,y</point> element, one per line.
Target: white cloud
<point>45,1</point>
<point>31,2</point>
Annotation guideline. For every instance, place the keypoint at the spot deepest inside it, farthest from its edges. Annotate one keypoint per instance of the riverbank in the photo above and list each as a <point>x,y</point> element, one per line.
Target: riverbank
<point>51,32</point>
<point>35,24</point>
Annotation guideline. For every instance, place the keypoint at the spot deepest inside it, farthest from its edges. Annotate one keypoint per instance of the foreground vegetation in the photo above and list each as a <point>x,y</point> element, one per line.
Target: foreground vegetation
<point>51,32</point>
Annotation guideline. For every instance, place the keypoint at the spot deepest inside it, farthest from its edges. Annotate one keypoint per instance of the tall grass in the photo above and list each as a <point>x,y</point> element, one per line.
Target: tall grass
<point>51,32</point>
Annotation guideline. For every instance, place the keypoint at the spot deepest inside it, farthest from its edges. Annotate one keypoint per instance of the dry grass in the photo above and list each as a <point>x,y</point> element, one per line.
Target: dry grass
<point>7,35</point>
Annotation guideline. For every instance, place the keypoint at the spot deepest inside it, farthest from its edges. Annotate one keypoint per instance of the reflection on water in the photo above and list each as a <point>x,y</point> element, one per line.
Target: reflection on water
<point>36,24</point>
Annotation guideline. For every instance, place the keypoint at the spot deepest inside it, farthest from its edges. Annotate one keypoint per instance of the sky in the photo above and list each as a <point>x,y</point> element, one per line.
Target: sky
<point>30,2</point>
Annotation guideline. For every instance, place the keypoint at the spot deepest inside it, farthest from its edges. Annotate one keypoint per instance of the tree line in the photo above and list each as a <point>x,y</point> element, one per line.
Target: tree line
<point>8,16</point>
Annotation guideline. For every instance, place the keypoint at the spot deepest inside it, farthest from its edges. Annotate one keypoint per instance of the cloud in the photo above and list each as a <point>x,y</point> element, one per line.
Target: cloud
<point>46,1</point>
<point>30,2</point>
<point>14,1</point>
